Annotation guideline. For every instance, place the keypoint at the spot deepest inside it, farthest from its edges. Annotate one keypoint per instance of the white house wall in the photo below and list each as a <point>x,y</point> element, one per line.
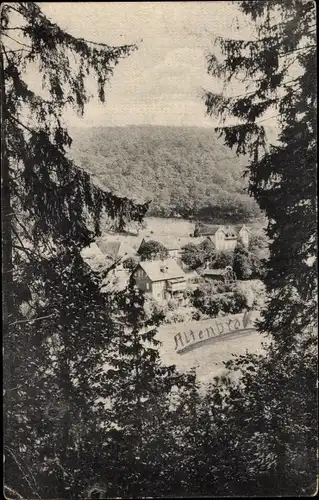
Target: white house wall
<point>219,240</point>
<point>244,236</point>
<point>230,244</point>
<point>158,289</point>
<point>174,254</point>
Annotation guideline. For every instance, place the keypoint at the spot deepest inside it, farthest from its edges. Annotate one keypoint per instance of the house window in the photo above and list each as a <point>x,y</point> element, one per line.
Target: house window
<point>147,286</point>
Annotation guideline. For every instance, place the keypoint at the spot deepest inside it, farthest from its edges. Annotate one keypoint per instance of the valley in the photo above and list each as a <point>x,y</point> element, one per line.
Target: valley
<point>184,171</point>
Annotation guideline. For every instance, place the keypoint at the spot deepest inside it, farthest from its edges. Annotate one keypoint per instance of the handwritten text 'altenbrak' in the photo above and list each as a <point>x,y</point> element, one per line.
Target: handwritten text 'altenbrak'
<point>216,328</point>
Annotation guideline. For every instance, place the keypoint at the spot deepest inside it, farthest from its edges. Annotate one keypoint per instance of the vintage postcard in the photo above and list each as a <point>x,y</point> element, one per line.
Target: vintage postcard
<point>159,249</point>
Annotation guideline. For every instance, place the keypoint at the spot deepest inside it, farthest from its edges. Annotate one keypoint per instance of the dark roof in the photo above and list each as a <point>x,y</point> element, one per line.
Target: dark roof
<point>210,238</point>
<point>215,272</point>
<point>209,229</point>
<point>177,280</point>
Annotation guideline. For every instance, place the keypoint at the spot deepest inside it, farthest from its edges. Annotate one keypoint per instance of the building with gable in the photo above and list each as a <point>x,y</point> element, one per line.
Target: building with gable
<point>243,234</point>
<point>116,249</point>
<point>226,275</point>
<point>161,279</point>
<point>172,244</point>
<point>224,238</point>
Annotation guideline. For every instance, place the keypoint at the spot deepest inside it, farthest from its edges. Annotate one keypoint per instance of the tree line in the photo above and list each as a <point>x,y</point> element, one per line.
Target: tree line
<point>185,171</point>
<point>90,410</point>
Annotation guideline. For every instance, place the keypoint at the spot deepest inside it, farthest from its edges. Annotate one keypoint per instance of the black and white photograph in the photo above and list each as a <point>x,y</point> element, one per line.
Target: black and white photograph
<point>159,249</point>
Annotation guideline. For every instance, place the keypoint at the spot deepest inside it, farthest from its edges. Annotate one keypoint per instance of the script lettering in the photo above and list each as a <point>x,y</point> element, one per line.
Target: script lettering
<point>237,324</point>
<point>211,329</point>
<point>178,338</point>
<point>187,340</point>
<point>191,333</point>
<point>215,328</point>
<point>220,328</point>
<point>229,323</point>
<point>246,319</point>
<point>200,334</point>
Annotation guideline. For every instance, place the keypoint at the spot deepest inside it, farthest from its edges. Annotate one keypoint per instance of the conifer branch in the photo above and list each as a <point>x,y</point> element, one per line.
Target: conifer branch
<point>31,320</point>
<point>25,475</point>
<point>16,41</point>
<point>12,492</point>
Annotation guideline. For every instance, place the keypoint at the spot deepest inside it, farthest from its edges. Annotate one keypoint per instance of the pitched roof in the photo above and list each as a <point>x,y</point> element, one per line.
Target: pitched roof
<point>209,229</point>
<point>115,248</point>
<point>154,272</point>
<point>170,242</point>
<point>210,237</point>
<point>110,248</point>
<point>238,227</point>
<point>91,251</point>
<point>133,241</point>
<point>183,241</point>
<point>231,232</point>
<point>214,272</point>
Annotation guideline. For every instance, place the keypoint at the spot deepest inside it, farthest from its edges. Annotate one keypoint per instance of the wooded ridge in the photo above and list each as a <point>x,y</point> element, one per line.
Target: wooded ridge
<point>185,171</point>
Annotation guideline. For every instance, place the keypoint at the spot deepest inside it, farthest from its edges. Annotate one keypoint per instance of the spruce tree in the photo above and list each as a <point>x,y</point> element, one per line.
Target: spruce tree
<point>271,409</point>
<point>282,177</point>
<point>55,324</point>
<point>139,402</point>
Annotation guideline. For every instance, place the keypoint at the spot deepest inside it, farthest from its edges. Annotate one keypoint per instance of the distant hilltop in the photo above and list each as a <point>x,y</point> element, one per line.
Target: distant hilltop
<point>185,171</point>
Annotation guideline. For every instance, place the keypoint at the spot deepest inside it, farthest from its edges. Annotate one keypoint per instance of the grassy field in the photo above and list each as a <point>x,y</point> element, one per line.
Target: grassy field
<point>208,359</point>
<point>156,226</point>
<point>173,229</point>
<point>181,227</point>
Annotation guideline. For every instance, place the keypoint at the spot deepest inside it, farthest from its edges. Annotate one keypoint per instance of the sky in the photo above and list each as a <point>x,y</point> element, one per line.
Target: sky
<point>162,82</point>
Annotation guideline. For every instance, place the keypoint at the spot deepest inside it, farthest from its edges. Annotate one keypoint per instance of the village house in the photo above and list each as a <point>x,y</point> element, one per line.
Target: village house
<point>98,262</point>
<point>224,238</point>
<point>243,233</point>
<point>116,249</point>
<point>226,275</point>
<point>172,244</point>
<point>161,279</point>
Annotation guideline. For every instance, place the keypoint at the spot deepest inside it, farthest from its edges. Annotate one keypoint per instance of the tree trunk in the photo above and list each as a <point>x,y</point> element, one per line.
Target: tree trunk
<point>6,250</point>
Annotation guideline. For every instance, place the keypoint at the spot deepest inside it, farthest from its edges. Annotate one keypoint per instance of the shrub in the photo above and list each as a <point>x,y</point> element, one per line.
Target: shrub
<point>195,256</point>
<point>130,263</point>
<point>176,316</point>
<point>188,292</point>
<point>242,262</point>
<point>196,316</point>
<point>172,304</point>
<point>258,267</point>
<point>223,259</point>
<point>152,250</point>
<point>208,301</point>
<point>192,256</point>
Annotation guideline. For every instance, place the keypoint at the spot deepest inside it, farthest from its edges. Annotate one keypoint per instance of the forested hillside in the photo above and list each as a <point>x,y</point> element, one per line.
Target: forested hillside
<point>183,170</point>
